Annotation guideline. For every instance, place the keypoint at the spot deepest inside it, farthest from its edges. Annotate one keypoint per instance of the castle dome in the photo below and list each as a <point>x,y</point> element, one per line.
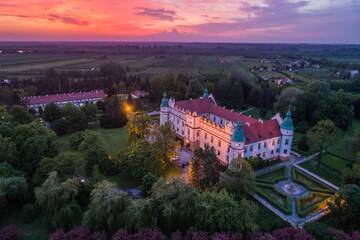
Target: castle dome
<point>287,124</point>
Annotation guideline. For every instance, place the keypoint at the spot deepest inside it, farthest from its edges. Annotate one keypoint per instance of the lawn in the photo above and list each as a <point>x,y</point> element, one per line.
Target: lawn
<point>113,139</point>
<point>324,172</point>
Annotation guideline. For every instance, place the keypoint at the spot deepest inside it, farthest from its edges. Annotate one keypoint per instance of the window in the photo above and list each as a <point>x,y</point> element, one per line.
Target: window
<point>177,129</point>
<point>273,143</point>
<point>278,140</point>
<point>177,120</point>
<point>272,151</point>
<point>198,133</point>
<point>287,142</point>
<point>218,153</point>
<point>188,132</point>
<point>263,155</point>
<point>264,144</point>
<point>285,151</point>
<point>182,123</point>
<point>251,148</point>
<point>205,135</point>
<point>259,146</point>
<point>212,139</point>
<point>245,150</point>
<point>182,132</point>
<point>219,143</point>
<point>227,157</point>
<point>277,150</point>
<point>229,149</point>
<point>221,121</point>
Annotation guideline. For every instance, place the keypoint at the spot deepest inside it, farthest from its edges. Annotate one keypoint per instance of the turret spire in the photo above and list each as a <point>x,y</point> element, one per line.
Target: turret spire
<point>238,135</point>
<point>288,123</point>
<point>206,93</point>
<point>165,100</point>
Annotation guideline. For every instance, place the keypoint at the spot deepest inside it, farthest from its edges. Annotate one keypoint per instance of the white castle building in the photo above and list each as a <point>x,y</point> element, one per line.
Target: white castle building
<point>231,134</point>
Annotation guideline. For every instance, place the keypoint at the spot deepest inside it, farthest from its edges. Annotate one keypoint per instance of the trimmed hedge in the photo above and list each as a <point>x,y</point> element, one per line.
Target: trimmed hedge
<point>310,182</point>
<point>315,200</point>
<point>284,208</point>
<point>277,174</point>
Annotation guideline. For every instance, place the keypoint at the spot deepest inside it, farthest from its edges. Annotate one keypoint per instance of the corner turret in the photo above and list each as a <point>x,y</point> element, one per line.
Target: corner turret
<point>237,144</point>
<point>287,132</point>
<point>164,109</point>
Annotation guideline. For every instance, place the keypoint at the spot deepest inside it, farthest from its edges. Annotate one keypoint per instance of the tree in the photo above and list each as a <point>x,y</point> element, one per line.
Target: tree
<point>76,119</point>
<point>52,112</point>
<point>288,97</point>
<point>321,135</point>
<point>60,126</point>
<point>20,114</point>
<point>303,144</point>
<point>147,182</point>
<point>165,142</point>
<point>204,168</point>
<point>139,215</point>
<point>90,111</point>
<point>173,203</point>
<point>254,96</point>
<point>106,210</point>
<point>236,95</point>
<point>357,109</point>
<point>352,175</point>
<point>115,116</point>
<point>57,200</point>
<point>238,178</point>
<point>113,73</point>
<point>67,165</point>
<point>138,126</point>
<point>12,190</point>
<point>220,212</point>
<point>8,150</point>
<point>344,208</point>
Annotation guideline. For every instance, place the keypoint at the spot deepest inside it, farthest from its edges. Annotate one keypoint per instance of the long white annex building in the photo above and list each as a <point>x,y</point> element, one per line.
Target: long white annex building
<point>201,121</point>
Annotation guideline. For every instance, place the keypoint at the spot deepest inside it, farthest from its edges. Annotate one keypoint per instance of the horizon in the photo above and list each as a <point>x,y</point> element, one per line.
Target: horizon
<point>183,21</point>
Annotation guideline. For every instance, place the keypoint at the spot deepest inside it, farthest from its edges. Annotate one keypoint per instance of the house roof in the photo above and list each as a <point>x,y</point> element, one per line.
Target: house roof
<point>255,129</point>
<point>65,97</point>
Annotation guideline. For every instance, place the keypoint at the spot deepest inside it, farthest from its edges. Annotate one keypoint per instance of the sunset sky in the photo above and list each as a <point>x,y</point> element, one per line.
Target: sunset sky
<point>312,21</point>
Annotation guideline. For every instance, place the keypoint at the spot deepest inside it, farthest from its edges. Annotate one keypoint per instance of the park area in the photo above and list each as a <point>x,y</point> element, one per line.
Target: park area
<point>335,158</point>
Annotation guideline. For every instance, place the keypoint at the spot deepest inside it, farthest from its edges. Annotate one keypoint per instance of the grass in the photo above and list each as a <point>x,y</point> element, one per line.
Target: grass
<point>324,172</point>
<point>34,230</point>
<point>112,139</point>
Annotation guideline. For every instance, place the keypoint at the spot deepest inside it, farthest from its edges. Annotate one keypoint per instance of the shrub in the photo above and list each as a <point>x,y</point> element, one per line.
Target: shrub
<point>58,235</point>
<point>10,232</point>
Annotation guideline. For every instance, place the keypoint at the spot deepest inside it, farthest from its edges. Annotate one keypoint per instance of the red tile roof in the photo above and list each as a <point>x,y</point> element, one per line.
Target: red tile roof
<point>65,97</point>
<point>255,130</point>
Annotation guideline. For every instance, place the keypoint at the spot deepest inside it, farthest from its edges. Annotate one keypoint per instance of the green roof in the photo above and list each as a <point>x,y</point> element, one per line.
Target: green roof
<point>165,100</point>
<point>238,135</point>
<point>288,123</point>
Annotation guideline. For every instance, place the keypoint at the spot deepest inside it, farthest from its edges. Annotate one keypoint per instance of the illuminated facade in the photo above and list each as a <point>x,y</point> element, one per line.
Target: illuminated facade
<point>231,134</point>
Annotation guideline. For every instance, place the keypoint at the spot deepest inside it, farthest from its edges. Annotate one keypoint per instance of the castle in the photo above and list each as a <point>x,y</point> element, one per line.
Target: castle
<point>231,134</point>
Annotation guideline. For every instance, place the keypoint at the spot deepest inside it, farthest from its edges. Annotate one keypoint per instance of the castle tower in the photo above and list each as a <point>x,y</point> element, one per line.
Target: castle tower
<point>237,142</point>
<point>164,109</point>
<point>287,132</point>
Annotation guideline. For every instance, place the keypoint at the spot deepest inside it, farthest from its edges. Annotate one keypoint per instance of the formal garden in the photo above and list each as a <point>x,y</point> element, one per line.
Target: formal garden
<point>295,193</point>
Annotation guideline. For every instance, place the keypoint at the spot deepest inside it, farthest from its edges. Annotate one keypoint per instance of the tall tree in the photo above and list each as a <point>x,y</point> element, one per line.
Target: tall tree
<point>322,134</point>
<point>20,114</point>
<point>107,207</point>
<point>52,112</point>
<point>173,203</point>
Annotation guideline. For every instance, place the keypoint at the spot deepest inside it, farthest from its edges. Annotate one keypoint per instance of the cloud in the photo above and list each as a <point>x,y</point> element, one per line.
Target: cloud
<point>51,17</point>
<point>160,13</point>
<point>67,20</point>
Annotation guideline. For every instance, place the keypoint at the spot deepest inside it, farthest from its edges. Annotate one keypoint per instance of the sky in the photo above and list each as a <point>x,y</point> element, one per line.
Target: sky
<point>265,21</point>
